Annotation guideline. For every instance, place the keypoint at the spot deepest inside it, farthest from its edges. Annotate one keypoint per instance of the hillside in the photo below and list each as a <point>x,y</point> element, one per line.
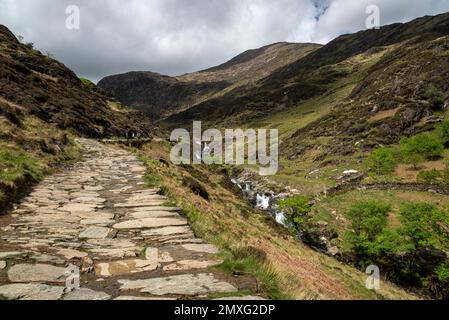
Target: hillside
<point>160,96</point>
<point>364,125</point>
<point>345,60</point>
<point>43,107</point>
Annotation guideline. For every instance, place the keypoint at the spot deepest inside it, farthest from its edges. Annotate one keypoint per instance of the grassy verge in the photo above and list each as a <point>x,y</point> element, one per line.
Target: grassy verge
<point>28,155</point>
<point>250,241</point>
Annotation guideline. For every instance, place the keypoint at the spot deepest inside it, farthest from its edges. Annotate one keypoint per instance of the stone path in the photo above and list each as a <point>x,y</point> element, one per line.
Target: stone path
<point>98,219</point>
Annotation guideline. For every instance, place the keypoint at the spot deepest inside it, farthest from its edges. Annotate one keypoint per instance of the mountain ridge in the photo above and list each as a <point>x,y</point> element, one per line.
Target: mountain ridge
<point>139,89</point>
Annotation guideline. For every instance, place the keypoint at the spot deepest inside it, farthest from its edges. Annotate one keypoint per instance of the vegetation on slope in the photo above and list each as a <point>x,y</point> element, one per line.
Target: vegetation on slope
<point>250,240</point>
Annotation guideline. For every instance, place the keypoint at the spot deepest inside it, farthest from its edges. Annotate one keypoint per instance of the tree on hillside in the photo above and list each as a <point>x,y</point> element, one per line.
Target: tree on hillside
<point>382,161</point>
<point>424,146</point>
<point>368,220</point>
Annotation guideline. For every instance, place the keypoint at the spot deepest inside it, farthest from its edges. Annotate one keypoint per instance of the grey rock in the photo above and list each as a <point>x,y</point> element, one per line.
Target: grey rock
<point>86,294</point>
<point>36,273</point>
<point>186,284</point>
<point>31,291</point>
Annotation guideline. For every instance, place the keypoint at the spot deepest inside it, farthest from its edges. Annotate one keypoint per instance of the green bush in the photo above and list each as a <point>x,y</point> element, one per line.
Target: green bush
<point>412,254</point>
<point>429,176</point>
<point>368,220</point>
<point>443,132</point>
<point>87,83</point>
<point>423,225</point>
<point>299,205</point>
<point>435,97</point>
<point>445,173</point>
<point>424,146</point>
<point>382,161</point>
<point>297,209</point>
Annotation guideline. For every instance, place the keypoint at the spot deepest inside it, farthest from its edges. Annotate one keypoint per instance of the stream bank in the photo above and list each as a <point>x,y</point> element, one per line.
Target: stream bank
<point>265,195</point>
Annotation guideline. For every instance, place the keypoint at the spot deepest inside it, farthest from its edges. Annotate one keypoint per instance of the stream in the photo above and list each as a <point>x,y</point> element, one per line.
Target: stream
<point>263,200</point>
<point>315,235</point>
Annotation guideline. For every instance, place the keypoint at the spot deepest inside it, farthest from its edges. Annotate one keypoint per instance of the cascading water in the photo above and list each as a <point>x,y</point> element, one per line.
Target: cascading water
<point>262,200</point>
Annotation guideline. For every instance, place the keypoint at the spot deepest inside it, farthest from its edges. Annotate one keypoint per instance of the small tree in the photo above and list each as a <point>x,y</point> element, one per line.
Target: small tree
<point>420,147</point>
<point>297,207</point>
<point>382,161</point>
<point>368,220</point>
<point>424,225</point>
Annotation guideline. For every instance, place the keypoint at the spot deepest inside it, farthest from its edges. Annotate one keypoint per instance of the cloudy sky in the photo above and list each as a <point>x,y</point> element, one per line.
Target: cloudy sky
<point>178,36</point>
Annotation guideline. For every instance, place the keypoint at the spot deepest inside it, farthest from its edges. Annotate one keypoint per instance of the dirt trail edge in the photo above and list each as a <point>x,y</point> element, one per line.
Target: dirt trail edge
<point>98,219</point>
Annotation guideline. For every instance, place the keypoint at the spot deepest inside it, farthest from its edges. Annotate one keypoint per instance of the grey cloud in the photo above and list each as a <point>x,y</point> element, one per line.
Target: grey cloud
<point>179,36</point>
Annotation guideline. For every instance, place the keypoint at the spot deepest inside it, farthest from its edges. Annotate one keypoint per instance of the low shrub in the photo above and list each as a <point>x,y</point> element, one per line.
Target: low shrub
<point>382,161</point>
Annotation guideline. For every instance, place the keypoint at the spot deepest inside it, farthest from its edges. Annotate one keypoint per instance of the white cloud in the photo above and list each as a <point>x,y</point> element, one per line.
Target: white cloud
<point>178,36</point>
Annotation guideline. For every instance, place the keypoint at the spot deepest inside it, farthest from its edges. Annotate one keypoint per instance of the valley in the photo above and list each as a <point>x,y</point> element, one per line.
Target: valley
<point>344,112</point>
<point>87,179</point>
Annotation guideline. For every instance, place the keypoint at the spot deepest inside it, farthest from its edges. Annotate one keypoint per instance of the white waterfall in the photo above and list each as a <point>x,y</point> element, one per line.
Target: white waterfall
<point>263,201</point>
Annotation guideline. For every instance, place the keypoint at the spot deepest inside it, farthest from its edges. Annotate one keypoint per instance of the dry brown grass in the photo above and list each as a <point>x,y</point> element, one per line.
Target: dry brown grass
<point>410,174</point>
<point>384,114</point>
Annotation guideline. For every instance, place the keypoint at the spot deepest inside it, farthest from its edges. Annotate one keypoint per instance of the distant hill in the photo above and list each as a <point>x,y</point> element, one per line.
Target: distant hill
<point>337,90</point>
<point>161,96</point>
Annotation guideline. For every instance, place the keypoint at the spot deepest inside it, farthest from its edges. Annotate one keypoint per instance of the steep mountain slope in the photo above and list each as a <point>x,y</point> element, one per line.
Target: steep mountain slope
<point>50,91</point>
<point>317,74</point>
<point>335,108</point>
<point>160,96</point>
<point>43,107</point>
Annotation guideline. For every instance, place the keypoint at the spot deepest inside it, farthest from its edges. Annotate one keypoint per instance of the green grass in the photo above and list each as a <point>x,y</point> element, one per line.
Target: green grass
<point>17,165</point>
<point>246,263</point>
<point>87,83</point>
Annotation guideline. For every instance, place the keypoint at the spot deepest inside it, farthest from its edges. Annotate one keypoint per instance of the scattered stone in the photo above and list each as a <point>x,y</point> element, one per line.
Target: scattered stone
<point>322,223</point>
<point>334,251</point>
<point>4,255</point>
<point>71,254</point>
<point>153,214</point>
<point>36,273</point>
<point>152,254</point>
<point>186,284</point>
<point>207,248</point>
<point>45,258</point>
<point>31,291</point>
<point>191,265</point>
<point>2,265</point>
<point>167,231</point>
<point>150,223</point>
<point>141,204</point>
<point>86,294</point>
<point>350,172</point>
<point>124,267</point>
<point>95,233</point>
